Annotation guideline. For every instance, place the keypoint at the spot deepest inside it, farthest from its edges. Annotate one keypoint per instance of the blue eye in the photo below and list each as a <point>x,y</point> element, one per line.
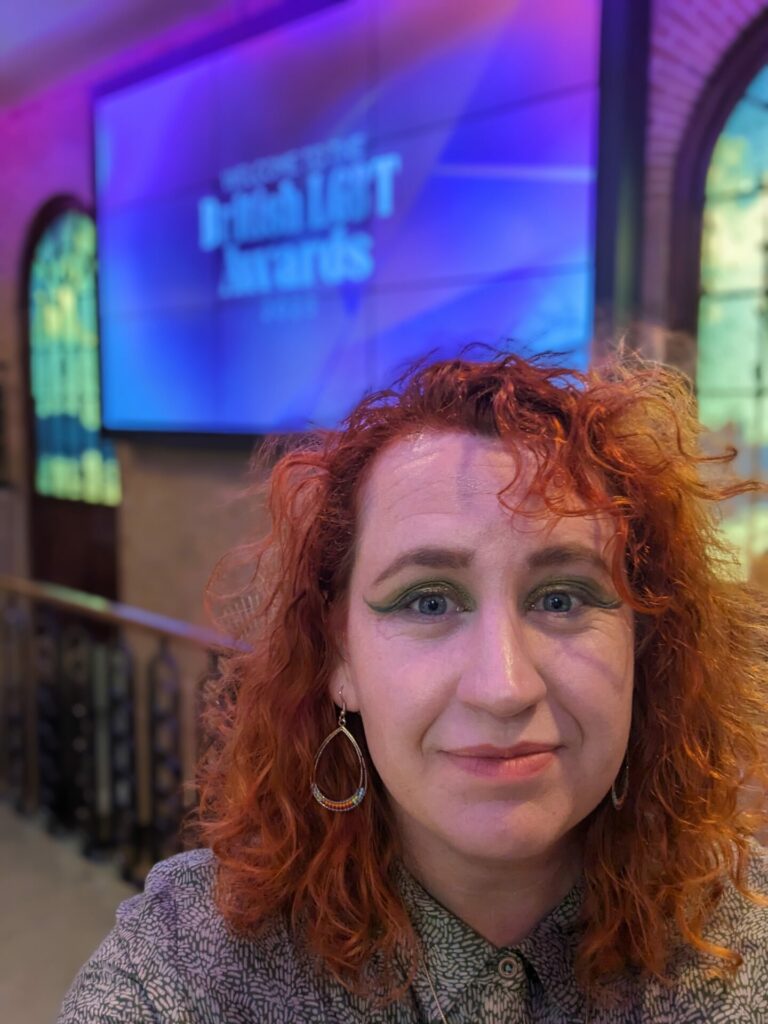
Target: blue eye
<point>560,601</point>
<point>567,599</point>
<point>557,601</point>
<point>434,600</point>
<point>430,604</point>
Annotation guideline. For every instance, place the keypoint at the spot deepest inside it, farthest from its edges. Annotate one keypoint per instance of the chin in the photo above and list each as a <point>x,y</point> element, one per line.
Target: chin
<point>509,841</point>
<point>493,832</point>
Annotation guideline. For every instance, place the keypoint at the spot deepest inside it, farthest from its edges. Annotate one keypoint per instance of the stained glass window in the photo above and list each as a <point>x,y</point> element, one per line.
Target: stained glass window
<point>732,372</point>
<point>71,460</point>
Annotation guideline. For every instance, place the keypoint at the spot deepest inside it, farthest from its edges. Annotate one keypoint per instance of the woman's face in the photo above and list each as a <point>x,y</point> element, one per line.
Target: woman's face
<point>487,653</point>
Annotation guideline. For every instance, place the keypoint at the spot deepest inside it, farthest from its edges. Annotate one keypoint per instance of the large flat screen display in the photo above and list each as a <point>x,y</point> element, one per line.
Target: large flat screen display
<point>286,222</point>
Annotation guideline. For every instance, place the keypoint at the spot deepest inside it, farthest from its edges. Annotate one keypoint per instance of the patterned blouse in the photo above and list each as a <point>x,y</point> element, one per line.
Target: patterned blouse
<point>170,960</point>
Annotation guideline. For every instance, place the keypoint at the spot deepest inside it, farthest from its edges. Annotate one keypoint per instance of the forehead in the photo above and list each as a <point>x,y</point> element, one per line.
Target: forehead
<point>436,483</point>
<point>453,468</point>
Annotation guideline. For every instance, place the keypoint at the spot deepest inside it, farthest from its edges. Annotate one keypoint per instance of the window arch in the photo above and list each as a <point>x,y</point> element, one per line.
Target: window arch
<point>734,270</point>
<point>732,364</point>
<point>71,460</point>
<point>719,272</point>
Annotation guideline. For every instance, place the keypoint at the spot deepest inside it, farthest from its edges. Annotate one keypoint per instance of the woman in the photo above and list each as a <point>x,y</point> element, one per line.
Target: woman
<point>487,758</point>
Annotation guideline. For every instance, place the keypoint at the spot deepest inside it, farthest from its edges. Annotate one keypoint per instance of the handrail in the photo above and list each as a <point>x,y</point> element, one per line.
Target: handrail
<point>116,613</point>
<point>98,729</point>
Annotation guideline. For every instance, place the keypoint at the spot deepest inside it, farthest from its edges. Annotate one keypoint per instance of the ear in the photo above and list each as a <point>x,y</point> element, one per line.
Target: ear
<point>342,679</point>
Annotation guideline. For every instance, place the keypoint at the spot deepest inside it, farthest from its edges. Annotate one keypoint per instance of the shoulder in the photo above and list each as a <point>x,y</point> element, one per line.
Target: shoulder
<point>177,903</point>
<point>739,924</point>
<point>172,951</point>
<point>177,915</point>
<point>180,887</point>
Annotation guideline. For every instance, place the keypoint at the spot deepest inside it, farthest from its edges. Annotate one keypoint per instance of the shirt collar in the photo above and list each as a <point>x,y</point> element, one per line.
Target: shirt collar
<point>550,950</point>
<point>456,954</point>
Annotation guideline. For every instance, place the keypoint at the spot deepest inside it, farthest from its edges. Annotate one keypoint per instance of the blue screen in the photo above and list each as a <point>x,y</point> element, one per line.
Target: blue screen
<point>287,222</point>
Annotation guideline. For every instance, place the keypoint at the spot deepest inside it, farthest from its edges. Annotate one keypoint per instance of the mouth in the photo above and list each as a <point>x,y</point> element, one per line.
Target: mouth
<point>522,761</point>
<point>503,753</point>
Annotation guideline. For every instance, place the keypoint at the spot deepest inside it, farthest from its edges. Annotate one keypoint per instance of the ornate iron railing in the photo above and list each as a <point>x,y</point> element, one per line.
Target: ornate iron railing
<point>99,717</point>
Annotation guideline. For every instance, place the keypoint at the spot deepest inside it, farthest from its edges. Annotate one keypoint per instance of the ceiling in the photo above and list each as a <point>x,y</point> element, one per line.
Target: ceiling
<point>42,41</point>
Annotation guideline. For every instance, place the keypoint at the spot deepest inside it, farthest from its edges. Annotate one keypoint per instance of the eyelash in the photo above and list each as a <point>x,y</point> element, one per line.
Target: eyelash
<point>571,591</point>
<point>445,590</point>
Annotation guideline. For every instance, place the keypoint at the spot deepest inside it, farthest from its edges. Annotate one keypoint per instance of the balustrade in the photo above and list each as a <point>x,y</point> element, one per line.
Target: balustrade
<point>99,718</point>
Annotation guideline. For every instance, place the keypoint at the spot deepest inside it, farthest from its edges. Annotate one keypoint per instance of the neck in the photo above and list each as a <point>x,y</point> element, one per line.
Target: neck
<point>504,901</point>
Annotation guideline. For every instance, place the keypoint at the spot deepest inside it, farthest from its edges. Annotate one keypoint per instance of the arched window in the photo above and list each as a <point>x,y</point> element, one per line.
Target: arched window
<point>71,460</point>
<point>718,276</point>
<point>732,364</point>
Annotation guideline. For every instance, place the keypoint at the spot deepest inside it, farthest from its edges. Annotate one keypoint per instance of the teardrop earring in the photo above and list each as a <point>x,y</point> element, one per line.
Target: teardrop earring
<point>362,784</point>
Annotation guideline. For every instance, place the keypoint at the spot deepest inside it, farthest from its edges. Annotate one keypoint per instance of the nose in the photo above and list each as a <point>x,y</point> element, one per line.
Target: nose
<point>500,673</point>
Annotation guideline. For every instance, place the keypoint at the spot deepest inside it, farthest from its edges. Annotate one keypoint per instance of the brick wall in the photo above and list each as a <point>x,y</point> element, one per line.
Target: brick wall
<point>689,38</point>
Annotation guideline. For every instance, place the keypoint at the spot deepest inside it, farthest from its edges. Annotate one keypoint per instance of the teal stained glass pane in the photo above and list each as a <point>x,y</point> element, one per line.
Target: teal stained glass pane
<point>733,235</point>
<point>730,353</point>
<point>72,460</point>
<point>740,158</point>
<point>758,89</point>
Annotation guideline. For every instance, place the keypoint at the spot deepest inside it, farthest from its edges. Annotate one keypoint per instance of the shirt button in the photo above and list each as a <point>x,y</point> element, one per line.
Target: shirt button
<point>508,967</point>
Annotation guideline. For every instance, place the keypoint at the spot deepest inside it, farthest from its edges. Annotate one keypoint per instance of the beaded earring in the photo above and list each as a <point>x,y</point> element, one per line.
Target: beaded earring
<point>362,784</point>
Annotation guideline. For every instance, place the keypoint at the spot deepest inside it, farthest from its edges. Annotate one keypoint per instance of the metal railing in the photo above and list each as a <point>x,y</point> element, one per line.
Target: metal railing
<point>99,712</point>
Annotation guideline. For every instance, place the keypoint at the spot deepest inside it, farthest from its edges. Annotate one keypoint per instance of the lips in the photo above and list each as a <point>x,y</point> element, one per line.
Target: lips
<point>487,750</point>
<point>507,765</point>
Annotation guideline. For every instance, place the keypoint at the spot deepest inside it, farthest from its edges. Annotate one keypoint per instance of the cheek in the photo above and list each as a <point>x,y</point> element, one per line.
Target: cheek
<point>403,685</point>
<point>393,688</point>
<point>375,672</point>
<point>593,678</point>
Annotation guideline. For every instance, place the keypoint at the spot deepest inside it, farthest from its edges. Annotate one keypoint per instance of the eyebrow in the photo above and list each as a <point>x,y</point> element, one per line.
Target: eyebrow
<point>461,558</point>
<point>429,557</point>
<point>556,554</point>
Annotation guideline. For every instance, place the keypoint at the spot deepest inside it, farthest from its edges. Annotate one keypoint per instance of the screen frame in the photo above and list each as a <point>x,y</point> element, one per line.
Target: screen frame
<point>282,14</point>
<point>622,71</point>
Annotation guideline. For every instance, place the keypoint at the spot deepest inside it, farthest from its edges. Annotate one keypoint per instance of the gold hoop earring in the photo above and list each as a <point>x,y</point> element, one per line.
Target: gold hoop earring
<point>619,799</point>
<point>362,783</point>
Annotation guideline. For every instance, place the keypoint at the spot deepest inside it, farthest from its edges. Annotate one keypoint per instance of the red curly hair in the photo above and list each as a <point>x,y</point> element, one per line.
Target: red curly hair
<point>625,438</point>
